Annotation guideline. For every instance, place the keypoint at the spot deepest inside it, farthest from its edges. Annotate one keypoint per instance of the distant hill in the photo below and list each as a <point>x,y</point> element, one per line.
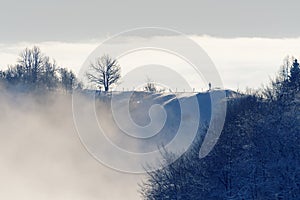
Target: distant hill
<point>179,109</point>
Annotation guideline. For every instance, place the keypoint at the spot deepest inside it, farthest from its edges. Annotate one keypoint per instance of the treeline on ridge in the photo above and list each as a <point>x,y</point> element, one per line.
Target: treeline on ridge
<point>35,71</point>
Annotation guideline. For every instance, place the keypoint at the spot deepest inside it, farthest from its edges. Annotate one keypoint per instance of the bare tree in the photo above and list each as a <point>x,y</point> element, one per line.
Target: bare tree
<point>150,86</point>
<point>32,60</point>
<point>105,71</point>
<point>67,79</point>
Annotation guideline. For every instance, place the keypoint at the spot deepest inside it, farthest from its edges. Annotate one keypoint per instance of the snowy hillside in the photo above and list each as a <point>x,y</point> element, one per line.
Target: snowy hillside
<point>155,116</point>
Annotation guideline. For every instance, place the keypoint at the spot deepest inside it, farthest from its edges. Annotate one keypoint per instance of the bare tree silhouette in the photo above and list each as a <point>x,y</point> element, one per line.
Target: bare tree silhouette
<point>105,71</point>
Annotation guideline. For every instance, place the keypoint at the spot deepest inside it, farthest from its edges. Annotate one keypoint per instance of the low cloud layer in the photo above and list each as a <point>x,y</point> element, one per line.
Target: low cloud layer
<point>238,60</point>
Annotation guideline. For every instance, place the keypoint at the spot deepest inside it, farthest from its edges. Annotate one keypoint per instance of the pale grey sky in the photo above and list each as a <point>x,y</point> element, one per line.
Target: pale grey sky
<point>66,20</point>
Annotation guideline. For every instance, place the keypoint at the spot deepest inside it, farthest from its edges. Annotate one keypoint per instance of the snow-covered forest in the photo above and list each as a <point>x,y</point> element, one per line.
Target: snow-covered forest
<point>256,157</point>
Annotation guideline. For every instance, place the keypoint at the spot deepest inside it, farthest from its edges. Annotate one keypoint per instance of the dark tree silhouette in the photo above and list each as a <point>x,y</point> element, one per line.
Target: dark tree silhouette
<point>150,86</point>
<point>105,71</point>
<point>35,71</point>
<point>295,74</point>
<point>32,60</point>
<point>48,75</point>
<point>67,79</point>
<point>2,76</point>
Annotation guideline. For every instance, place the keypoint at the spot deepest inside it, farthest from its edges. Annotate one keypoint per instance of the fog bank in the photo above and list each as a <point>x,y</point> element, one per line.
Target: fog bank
<point>42,157</point>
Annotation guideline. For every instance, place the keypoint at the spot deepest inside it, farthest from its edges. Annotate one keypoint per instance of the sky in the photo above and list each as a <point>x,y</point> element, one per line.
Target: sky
<point>246,40</point>
<point>66,20</point>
